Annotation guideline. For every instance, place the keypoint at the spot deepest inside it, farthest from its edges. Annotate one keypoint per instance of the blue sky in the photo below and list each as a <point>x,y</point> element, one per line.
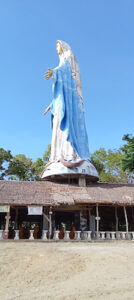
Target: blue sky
<point>101,34</point>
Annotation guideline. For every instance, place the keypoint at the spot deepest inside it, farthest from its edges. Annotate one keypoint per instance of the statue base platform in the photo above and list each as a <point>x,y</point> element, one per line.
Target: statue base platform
<point>57,171</point>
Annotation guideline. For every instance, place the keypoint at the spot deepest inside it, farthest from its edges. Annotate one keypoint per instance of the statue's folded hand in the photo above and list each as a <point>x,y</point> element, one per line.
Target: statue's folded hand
<point>48,74</point>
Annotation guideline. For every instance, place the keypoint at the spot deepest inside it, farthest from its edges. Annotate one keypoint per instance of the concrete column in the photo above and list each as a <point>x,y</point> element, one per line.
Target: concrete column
<point>118,235</point>
<point>84,235</point>
<point>128,236</point>
<point>132,234</point>
<point>44,235</point>
<point>1,234</point>
<point>97,235</point>
<point>31,235</point>
<point>56,235</point>
<point>123,235</point>
<point>82,181</point>
<point>108,235</point>
<point>102,235</point>
<point>94,234</point>
<point>66,235</point>
<point>6,232</point>
<point>113,235</point>
<point>77,235</point>
<point>16,238</point>
<point>88,235</point>
<point>16,235</point>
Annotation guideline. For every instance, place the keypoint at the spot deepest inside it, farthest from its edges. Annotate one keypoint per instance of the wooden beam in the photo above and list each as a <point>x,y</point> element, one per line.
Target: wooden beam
<point>46,217</point>
<point>90,220</point>
<point>97,215</point>
<point>16,218</point>
<point>50,223</point>
<point>126,219</point>
<point>116,218</point>
<point>132,219</point>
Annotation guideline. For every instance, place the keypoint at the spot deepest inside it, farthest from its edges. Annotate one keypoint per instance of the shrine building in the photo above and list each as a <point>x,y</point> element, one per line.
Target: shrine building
<point>47,211</point>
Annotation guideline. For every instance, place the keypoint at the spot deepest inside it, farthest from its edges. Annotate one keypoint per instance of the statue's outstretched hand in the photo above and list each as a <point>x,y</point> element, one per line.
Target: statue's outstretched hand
<point>47,109</point>
<point>48,74</point>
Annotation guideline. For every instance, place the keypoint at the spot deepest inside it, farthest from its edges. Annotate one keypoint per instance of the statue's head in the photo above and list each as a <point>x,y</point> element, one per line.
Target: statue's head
<point>59,47</point>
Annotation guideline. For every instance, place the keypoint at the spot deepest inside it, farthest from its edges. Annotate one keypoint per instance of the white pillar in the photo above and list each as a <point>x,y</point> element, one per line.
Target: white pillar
<point>84,235</point>
<point>6,232</point>
<point>128,236</point>
<point>77,235</point>
<point>82,181</point>
<point>94,234</point>
<point>97,235</point>
<point>108,236</point>
<point>66,235</point>
<point>16,238</point>
<point>132,233</point>
<point>1,234</point>
<point>113,235</point>
<point>31,235</point>
<point>123,235</point>
<point>102,235</point>
<point>44,235</point>
<point>56,235</point>
<point>118,235</point>
<point>88,238</point>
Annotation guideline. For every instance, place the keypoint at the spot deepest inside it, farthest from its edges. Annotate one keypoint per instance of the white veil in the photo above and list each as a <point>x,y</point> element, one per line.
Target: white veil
<point>68,54</point>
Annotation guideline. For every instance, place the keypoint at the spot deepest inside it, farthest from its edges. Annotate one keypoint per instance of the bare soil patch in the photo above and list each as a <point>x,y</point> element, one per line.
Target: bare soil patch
<point>66,271</point>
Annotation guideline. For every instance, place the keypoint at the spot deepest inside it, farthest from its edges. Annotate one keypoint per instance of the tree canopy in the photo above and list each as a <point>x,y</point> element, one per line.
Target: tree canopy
<point>5,159</point>
<point>20,167</point>
<point>108,164</point>
<point>112,165</point>
<point>128,154</point>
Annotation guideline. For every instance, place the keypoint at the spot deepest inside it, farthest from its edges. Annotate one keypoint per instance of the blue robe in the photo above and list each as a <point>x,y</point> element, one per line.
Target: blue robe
<point>71,114</point>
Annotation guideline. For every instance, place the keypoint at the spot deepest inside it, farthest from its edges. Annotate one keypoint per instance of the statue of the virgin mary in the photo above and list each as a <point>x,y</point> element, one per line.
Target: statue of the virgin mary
<point>69,145</point>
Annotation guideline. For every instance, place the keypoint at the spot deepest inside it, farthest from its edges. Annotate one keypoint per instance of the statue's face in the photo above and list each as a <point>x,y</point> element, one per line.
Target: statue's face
<point>59,48</point>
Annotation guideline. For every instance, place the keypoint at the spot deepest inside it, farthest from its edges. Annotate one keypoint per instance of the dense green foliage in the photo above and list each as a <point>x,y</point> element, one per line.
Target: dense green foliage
<point>112,165</point>
<point>128,154</point>
<point>108,164</point>
<point>20,168</point>
<point>5,159</point>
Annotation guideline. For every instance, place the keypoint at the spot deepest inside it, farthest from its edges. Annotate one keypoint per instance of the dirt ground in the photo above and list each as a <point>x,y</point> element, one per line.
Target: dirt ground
<point>37,270</point>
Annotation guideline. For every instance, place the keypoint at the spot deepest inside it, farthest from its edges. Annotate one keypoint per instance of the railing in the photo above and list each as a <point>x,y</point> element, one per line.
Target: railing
<point>80,235</point>
<point>100,235</point>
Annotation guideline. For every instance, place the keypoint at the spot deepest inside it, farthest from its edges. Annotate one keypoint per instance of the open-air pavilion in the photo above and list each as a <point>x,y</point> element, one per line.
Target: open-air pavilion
<point>53,211</point>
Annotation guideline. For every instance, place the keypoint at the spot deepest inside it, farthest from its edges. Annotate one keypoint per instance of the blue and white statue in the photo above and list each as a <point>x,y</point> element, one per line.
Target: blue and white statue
<point>69,146</point>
